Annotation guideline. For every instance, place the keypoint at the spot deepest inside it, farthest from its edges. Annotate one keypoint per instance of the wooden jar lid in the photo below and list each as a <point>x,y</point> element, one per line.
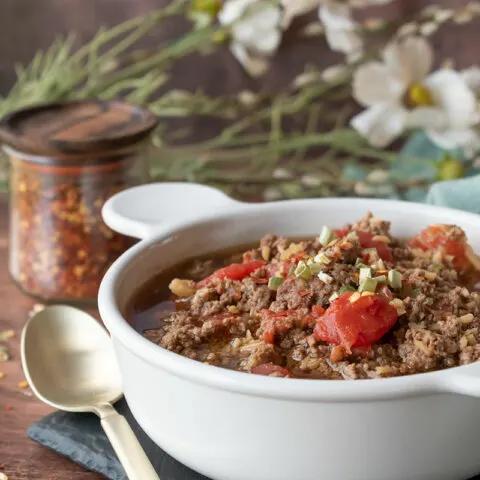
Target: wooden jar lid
<point>76,128</point>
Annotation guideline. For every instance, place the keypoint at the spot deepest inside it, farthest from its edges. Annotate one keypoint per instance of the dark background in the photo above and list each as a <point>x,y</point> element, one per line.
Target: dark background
<point>28,25</point>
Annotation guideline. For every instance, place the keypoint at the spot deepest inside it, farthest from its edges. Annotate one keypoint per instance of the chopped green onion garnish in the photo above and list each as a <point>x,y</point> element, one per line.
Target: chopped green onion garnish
<point>325,278</point>
<point>346,288</point>
<point>326,236</point>
<point>302,271</point>
<point>322,258</point>
<point>368,285</point>
<point>395,279</point>
<point>380,279</point>
<point>365,272</point>
<point>359,263</point>
<point>333,297</point>
<point>315,268</point>
<point>379,265</point>
<point>275,282</point>
<point>437,266</point>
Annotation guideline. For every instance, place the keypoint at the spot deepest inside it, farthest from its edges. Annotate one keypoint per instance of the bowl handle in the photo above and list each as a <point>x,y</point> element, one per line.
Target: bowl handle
<point>142,211</point>
<point>464,380</point>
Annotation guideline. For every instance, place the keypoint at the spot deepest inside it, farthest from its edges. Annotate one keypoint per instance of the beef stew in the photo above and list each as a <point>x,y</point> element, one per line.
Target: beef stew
<point>353,303</point>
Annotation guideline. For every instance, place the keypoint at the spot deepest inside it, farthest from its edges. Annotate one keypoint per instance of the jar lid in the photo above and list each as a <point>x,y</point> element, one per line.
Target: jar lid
<point>77,127</point>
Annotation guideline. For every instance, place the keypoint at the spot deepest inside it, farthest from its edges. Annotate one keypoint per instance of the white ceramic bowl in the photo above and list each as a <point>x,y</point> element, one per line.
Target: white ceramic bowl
<point>235,426</point>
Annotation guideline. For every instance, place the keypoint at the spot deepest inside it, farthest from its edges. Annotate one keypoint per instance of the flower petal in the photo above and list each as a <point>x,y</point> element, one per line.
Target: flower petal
<point>258,28</point>
<point>468,140</point>
<point>373,83</point>
<point>336,16</point>
<point>254,66</point>
<point>426,117</point>
<point>471,76</point>
<point>451,93</point>
<point>380,124</point>
<point>340,28</point>
<point>410,59</point>
<point>232,10</point>
<point>343,41</point>
<point>268,42</point>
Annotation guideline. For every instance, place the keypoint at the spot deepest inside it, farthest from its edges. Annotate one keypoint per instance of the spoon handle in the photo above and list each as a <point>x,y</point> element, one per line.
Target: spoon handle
<point>136,464</point>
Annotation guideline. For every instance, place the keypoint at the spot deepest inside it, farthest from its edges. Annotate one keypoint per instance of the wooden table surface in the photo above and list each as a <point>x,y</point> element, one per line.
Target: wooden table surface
<point>20,457</point>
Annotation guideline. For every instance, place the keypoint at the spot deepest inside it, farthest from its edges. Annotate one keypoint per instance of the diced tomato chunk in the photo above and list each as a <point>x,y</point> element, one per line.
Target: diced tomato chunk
<point>357,324</point>
<point>435,238</point>
<point>367,241</point>
<point>271,369</point>
<point>235,271</point>
<point>318,310</point>
<point>341,232</point>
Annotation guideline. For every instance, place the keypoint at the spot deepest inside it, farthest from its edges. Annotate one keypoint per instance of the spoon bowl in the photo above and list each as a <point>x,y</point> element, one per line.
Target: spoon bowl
<point>68,360</point>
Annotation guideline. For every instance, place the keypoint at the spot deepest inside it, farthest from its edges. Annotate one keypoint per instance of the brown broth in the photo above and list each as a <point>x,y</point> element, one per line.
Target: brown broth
<point>153,300</point>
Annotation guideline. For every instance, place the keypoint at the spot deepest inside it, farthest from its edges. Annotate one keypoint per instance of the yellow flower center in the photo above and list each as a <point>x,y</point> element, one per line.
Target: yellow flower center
<point>221,37</point>
<point>211,7</point>
<point>450,168</point>
<point>418,96</point>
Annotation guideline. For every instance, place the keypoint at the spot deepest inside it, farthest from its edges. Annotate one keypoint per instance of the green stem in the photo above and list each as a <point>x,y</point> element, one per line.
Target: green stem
<point>107,36</point>
<point>180,48</point>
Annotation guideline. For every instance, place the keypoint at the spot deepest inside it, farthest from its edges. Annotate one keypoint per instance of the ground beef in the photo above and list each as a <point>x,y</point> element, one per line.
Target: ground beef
<point>254,297</point>
<point>370,223</point>
<point>246,322</point>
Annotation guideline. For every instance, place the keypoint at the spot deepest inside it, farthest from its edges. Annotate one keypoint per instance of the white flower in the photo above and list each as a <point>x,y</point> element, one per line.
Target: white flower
<point>255,31</point>
<point>471,76</point>
<point>341,30</point>
<point>400,95</point>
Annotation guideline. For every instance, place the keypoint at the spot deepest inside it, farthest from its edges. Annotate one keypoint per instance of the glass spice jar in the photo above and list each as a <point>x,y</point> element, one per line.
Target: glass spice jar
<point>66,160</point>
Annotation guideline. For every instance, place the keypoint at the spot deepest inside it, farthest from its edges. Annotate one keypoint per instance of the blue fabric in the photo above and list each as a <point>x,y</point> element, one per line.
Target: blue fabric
<point>417,160</point>
<point>463,194</point>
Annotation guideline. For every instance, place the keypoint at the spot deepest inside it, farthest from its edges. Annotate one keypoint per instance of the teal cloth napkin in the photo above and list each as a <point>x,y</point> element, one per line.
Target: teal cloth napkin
<point>463,194</point>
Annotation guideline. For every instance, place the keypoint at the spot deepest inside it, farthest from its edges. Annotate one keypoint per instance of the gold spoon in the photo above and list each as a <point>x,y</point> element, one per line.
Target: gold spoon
<point>68,360</point>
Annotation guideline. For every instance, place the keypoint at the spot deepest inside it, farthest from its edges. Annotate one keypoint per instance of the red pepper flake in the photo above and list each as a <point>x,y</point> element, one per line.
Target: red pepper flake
<point>8,407</point>
<point>304,293</point>
<point>63,247</point>
<point>260,281</point>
